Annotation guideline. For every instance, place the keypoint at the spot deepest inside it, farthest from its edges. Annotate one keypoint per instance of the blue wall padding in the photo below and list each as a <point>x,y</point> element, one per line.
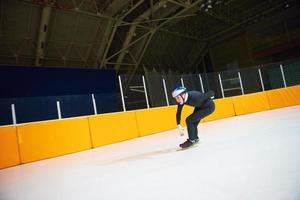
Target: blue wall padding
<point>5,111</point>
<point>32,109</point>
<point>108,102</point>
<point>35,90</point>
<point>76,105</point>
<point>34,81</point>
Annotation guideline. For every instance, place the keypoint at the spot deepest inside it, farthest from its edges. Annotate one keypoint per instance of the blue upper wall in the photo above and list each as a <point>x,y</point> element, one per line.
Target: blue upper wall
<point>35,91</point>
<point>18,81</point>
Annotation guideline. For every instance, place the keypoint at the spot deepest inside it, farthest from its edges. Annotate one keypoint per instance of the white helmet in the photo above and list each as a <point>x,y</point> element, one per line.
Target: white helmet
<point>178,90</point>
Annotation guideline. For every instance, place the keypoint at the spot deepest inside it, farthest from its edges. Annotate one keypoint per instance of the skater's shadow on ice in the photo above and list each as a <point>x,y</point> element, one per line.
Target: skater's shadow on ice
<point>142,156</point>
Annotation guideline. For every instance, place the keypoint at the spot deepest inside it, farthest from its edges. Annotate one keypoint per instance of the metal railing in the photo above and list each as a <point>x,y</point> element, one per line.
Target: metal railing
<point>157,90</point>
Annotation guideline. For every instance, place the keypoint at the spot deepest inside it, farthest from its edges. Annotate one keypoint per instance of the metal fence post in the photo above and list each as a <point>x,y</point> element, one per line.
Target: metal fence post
<point>58,109</point>
<point>201,83</point>
<point>94,104</point>
<point>283,77</point>
<point>182,83</point>
<point>166,94</point>
<point>145,90</point>
<point>261,80</point>
<point>221,85</point>
<point>241,83</point>
<point>13,113</point>
<point>122,95</point>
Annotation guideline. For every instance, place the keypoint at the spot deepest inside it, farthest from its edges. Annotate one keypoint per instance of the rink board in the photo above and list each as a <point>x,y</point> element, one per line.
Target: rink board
<point>150,121</point>
<point>41,140</point>
<point>251,103</point>
<point>223,108</point>
<point>9,153</point>
<point>111,128</point>
<point>49,139</point>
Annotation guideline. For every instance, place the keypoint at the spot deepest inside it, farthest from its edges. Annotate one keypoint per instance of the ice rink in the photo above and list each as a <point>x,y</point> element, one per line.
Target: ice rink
<point>250,157</point>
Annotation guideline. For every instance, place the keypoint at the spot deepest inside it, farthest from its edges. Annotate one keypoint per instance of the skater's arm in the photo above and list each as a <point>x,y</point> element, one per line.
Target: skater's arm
<point>178,113</point>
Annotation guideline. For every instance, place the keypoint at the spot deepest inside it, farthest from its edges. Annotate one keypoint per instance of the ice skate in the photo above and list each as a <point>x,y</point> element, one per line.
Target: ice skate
<point>188,143</point>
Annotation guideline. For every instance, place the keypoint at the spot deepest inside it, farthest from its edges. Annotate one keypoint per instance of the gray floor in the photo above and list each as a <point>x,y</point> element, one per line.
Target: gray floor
<point>250,157</point>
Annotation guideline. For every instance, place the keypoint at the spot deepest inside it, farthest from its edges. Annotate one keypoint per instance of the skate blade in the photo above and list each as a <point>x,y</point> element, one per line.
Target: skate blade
<point>193,146</point>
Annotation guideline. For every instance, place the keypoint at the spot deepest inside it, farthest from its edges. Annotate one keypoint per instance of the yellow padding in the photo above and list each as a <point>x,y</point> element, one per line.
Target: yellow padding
<point>294,95</point>
<point>224,108</point>
<point>156,120</point>
<point>53,138</point>
<point>251,103</point>
<point>279,98</point>
<point>112,128</point>
<point>9,153</point>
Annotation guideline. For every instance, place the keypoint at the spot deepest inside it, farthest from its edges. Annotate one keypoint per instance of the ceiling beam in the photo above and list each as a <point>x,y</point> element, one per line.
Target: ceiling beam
<point>43,31</point>
<point>132,73</point>
<point>154,31</point>
<point>129,45</point>
<point>130,10</point>
<point>218,16</point>
<point>1,18</point>
<point>144,16</point>
<point>237,25</point>
<point>115,6</point>
<point>105,42</point>
<point>180,35</point>
<point>132,30</point>
<point>156,20</point>
<point>151,4</point>
<point>181,12</point>
<point>178,3</point>
<point>111,29</point>
<point>115,19</point>
<point>143,51</point>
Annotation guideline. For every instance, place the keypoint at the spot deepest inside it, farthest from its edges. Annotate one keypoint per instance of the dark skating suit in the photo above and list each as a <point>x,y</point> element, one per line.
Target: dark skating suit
<point>204,106</point>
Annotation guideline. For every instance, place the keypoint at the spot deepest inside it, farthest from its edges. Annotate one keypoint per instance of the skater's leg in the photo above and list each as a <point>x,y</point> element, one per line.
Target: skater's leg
<point>192,123</point>
<point>193,135</point>
<point>191,128</point>
<point>193,120</point>
<point>196,130</point>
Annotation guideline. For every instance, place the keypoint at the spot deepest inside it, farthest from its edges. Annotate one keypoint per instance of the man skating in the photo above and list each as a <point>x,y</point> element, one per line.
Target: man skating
<point>204,106</point>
